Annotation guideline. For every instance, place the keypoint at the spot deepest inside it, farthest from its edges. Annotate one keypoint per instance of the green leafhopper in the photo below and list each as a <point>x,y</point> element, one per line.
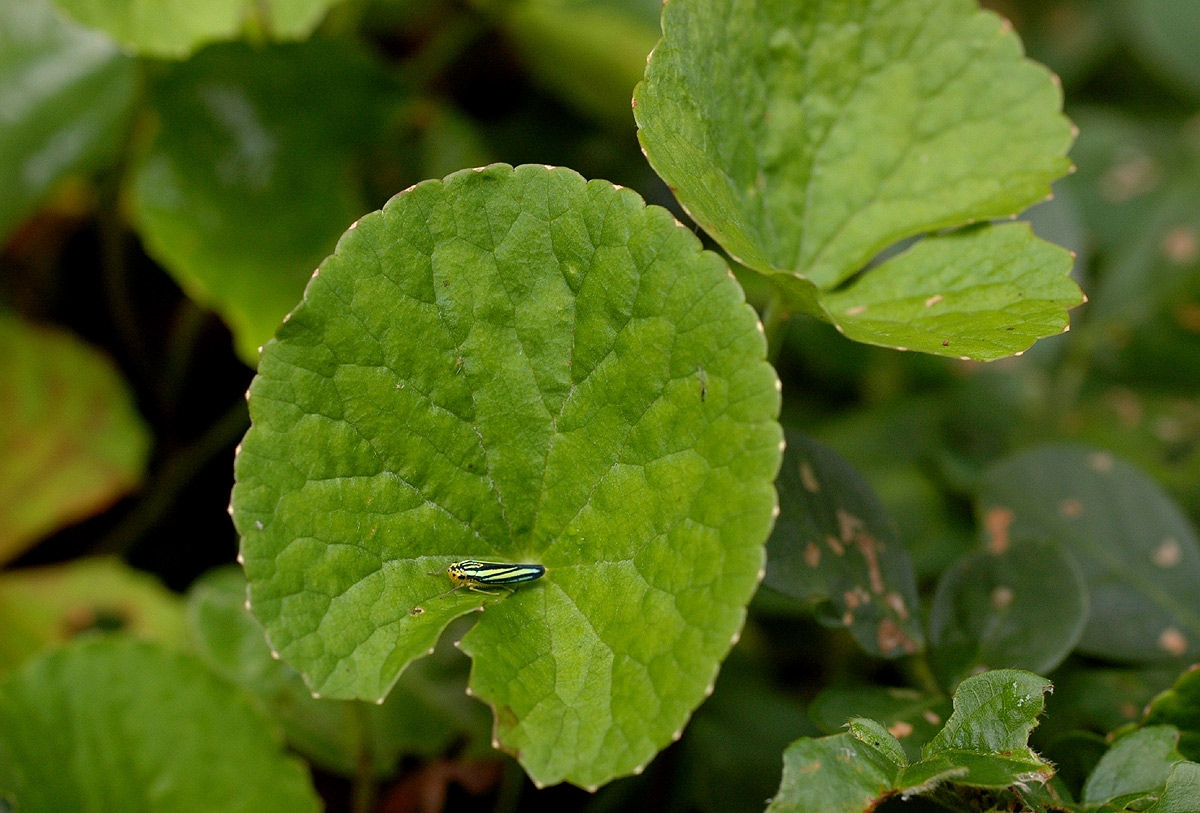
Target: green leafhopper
<point>476,575</point>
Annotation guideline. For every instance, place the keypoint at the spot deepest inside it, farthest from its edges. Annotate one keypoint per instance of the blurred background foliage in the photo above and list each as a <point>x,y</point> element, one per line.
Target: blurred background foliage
<point>143,258</point>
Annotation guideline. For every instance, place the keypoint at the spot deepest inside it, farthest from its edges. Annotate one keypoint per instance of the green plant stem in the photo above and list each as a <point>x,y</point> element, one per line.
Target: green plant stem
<point>365,790</point>
<point>440,50</point>
<point>186,328</point>
<point>918,669</point>
<point>1071,374</point>
<point>113,270</point>
<point>169,480</point>
<point>775,318</point>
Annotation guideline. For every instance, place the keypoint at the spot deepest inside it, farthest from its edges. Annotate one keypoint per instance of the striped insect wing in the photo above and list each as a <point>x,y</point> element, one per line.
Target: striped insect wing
<point>498,573</point>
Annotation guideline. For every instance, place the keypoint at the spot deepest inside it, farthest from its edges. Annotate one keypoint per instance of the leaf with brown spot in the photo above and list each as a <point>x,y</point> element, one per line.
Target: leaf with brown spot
<point>1114,521</point>
<point>1024,608</point>
<point>836,548</point>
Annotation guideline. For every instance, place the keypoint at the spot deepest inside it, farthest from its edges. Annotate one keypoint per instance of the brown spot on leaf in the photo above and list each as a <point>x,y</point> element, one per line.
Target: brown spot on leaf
<point>848,525</point>
<point>900,729</point>
<point>812,554</point>
<point>812,766</point>
<point>1187,315</point>
<point>896,602</point>
<point>808,478</point>
<point>1172,641</point>
<point>834,545</point>
<point>1002,597</point>
<point>891,638</point>
<point>1180,245</point>
<point>1136,175</point>
<point>997,521</point>
<point>1168,553</point>
<point>1071,508</point>
<point>1126,404</point>
<point>933,300</point>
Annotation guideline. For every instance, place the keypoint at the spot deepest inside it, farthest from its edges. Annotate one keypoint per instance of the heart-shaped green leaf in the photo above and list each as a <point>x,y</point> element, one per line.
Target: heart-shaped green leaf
<point>60,120</point>
<point>835,545</point>
<point>808,137</point>
<point>516,366</point>
<point>114,724</point>
<point>1138,553</point>
<point>70,437</point>
<point>246,187</point>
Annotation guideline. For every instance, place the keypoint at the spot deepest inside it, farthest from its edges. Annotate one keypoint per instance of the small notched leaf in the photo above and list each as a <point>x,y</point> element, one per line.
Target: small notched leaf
<point>912,717</point>
<point>834,544</point>
<point>988,733</point>
<point>840,129</point>
<point>983,745</point>
<point>1138,553</point>
<point>572,434</point>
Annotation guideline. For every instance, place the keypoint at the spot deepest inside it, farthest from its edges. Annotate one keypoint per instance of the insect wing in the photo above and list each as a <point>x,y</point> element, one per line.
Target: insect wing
<point>498,573</point>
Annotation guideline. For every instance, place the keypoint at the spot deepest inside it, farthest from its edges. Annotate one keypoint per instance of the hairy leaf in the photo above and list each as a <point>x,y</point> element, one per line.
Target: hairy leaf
<point>114,724</point>
<point>835,545</point>
<point>983,745</point>
<point>516,366</point>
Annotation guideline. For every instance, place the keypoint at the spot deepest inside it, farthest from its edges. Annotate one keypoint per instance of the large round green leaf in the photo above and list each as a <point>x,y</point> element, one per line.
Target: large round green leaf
<point>516,366</point>
<point>250,178</point>
<point>64,94</point>
<point>808,137</point>
<point>113,724</point>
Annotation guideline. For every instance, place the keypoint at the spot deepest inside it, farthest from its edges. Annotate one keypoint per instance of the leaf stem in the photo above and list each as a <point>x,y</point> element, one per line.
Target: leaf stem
<point>170,479</point>
<point>921,674</point>
<point>775,318</point>
<point>364,792</point>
